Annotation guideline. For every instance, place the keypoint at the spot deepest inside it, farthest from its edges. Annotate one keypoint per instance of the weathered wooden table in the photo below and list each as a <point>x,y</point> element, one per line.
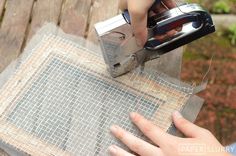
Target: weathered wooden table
<point>20,19</point>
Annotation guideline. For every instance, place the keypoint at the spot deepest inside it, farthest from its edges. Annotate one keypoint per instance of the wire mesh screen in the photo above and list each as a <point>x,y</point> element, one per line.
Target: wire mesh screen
<point>61,101</point>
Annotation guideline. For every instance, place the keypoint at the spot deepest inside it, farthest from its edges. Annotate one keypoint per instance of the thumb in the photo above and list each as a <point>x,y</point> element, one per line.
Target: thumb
<point>138,10</point>
<point>139,25</point>
<point>186,127</point>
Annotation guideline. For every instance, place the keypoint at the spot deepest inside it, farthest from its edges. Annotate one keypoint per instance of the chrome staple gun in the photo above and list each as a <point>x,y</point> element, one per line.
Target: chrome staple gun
<point>122,54</point>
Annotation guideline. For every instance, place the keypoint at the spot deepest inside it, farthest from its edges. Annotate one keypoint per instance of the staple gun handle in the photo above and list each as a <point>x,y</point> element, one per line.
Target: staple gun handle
<point>161,27</point>
<point>166,25</point>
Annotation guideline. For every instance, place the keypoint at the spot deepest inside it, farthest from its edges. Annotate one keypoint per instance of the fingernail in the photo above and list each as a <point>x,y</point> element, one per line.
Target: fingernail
<point>112,149</point>
<point>133,115</point>
<point>177,114</point>
<point>114,129</point>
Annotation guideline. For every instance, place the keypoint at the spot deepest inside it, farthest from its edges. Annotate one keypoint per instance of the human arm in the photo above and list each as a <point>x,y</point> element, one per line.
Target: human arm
<point>198,141</point>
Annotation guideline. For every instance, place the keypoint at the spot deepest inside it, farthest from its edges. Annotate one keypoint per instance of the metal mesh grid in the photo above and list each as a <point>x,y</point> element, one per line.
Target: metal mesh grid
<point>61,101</point>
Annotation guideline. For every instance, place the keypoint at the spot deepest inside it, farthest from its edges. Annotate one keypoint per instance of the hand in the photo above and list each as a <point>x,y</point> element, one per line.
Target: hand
<point>138,10</point>
<point>199,141</point>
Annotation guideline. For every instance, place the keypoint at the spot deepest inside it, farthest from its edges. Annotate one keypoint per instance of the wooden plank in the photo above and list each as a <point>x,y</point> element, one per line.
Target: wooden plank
<point>29,144</point>
<point>138,83</point>
<point>10,151</point>
<point>13,29</point>
<point>74,16</point>
<point>101,10</point>
<point>9,94</point>
<point>44,11</point>
<point>2,6</point>
<point>3,153</point>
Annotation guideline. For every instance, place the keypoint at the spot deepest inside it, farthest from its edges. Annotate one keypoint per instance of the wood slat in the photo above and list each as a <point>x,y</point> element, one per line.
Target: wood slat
<point>2,5</point>
<point>74,16</point>
<point>44,11</point>
<point>101,10</point>
<point>13,29</point>
<point>26,143</point>
<point>138,85</point>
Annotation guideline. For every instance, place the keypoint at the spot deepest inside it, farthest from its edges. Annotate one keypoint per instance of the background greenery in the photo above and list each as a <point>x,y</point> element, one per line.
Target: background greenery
<point>217,6</point>
<point>217,51</point>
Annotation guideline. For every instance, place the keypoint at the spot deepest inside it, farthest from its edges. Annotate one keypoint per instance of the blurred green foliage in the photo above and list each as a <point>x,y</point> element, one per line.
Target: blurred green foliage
<point>217,6</point>
<point>221,7</point>
<point>231,33</point>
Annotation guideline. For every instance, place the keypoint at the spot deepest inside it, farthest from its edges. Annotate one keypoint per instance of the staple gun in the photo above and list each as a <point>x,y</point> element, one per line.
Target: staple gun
<point>119,48</point>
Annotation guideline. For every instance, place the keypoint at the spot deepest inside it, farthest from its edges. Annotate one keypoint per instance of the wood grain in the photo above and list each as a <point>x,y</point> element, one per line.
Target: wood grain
<point>74,16</point>
<point>101,10</point>
<point>2,5</point>
<point>44,11</point>
<point>13,30</point>
<point>3,153</point>
<point>35,146</point>
<point>26,74</point>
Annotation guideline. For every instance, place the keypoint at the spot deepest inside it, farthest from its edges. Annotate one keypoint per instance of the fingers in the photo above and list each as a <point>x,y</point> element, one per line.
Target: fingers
<point>164,5</point>
<point>167,35</point>
<point>139,25</point>
<point>161,37</point>
<point>123,5</point>
<point>158,136</point>
<point>159,8</point>
<point>169,3</point>
<point>178,28</point>
<point>171,33</point>
<point>135,144</point>
<point>117,151</point>
<point>138,10</point>
<point>186,127</point>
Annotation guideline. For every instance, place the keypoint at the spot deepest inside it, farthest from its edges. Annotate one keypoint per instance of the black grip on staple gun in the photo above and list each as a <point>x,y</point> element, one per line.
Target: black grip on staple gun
<point>160,27</point>
<point>160,24</point>
<point>173,23</point>
<point>170,24</point>
<point>165,26</point>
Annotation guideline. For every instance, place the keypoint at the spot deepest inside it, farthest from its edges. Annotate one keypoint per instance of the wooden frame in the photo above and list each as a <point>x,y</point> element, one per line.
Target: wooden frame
<point>51,45</point>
